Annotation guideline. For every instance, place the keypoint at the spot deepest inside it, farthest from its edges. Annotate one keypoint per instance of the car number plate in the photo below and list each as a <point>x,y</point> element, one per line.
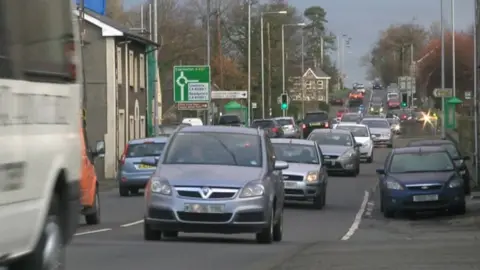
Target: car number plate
<point>316,124</point>
<point>143,166</point>
<point>204,208</point>
<point>290,184</point>
<point>425,198</point>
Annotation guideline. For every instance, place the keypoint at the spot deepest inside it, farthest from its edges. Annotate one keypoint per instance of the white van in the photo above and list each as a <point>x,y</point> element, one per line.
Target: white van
<point>40,114</point>
<point>193,121</point>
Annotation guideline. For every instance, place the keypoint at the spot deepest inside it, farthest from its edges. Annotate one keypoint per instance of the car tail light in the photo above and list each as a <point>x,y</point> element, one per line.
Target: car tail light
<point>71,60</point>
<point>304,126</point>
<point>275,129</point>
<point>124,155</point>
<point>326,125</point>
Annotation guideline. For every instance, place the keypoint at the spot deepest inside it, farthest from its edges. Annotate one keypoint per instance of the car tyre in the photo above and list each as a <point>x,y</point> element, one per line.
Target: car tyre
<point>170,234</point>
<point>390,145</point>
<point>460,210</point>
<point>94,217</point>
<point>265,236</point>
<point>49,252</point>
<point>370,158</point>
<point>150,234</point>
<point>124,192</point>
<point>134,191</point>
<point>318,201</point>
<point>278,229</point>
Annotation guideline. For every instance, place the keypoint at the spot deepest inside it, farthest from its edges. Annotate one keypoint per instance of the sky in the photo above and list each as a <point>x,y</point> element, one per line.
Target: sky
<point>363,21</point>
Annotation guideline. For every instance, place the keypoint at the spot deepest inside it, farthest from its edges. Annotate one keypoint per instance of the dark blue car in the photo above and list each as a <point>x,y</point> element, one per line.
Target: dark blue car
<point>420,179</point>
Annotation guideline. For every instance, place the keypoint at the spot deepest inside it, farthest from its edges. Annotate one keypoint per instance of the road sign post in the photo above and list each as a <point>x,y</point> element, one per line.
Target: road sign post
<point>191,84</point>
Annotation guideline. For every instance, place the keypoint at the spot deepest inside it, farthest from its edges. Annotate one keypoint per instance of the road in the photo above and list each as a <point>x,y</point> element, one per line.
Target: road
<point>349,233</point>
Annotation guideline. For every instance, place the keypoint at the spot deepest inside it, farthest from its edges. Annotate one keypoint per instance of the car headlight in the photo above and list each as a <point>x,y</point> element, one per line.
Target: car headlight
<point>371,109</point>
<point>381,109</point>
<point>458,163</point>
<point>455,183</point>
<point>367,144</point>
<point>161,187</point>
<point>387,134</point>
<point>252,189</point>
<point>396,127</point>
<point>393,185</point>
<point>348,154</point>
<point>311,177</point>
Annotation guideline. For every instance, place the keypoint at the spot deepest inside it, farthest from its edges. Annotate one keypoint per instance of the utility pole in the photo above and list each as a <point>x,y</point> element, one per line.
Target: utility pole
<point>476,60</point>
<point>322,42</point>
<point>157,75</point>
<point>249,29</point>
<point>209,11</point>
<point>442,27</point>
<point>82,44</point>
<point>269,47</point>
<point>454,71</point>
<point>303,72</point>
<point>219,44</point>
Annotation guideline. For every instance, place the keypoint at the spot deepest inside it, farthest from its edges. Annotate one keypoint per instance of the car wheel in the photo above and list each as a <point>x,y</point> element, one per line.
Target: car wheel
<point>318,201</point>
<point>278,229</point>
<point>460,210</point>
<point>134,191</point>
<point>357,170</point>
<point>324,197</point>
<point>94,217</point>
<point>150,234</point>
<point>265,236</point>
<point>170,234</point>
<point>370,158</point>
<point>49,252</point>
<point>390,145</point>
<point>381,204</point>
<point>124,192</point>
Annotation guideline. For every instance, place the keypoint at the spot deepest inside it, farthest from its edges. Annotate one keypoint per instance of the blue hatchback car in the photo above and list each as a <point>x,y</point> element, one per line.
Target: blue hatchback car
<point>418,179</point>
<point>132,174</point>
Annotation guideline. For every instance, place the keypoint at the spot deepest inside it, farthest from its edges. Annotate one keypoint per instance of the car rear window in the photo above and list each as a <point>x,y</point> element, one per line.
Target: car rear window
<point>315,117</point>
<point>285,122</point>
<point>350,118</point>
<point>263,124</point>
<point>229,119</point>
<point>147,149</point>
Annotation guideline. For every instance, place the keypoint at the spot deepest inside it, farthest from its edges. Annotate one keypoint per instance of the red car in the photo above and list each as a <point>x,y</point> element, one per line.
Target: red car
<point>393,104</point>
<point>341,112</point>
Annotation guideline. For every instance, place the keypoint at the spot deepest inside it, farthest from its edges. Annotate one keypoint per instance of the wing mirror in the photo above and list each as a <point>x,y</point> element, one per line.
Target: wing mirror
<point>380,171</point>
<point>100,148</point>
<point>358,145</point>
<point>280,165</point>
<point>150,161</point>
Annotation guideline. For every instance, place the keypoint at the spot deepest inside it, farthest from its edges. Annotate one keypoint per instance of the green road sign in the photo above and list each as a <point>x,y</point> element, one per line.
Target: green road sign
<point>191,84</point>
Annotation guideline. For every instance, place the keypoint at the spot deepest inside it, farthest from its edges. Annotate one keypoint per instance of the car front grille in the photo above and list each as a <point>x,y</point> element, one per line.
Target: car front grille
<point>215,193</point>
<point>424,187</point>
<point>330,157</point>
<point>288,177</point>
<point>204,217</point>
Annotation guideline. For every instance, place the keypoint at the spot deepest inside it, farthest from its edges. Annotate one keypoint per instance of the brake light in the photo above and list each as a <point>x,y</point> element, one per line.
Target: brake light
<point>274,129</point>
<point>304,126</point>
<point>71,60</point>
<point>326,124</point>
<point>124,155</point>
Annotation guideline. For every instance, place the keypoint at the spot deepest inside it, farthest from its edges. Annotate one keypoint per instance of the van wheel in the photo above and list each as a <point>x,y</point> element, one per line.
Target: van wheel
<point>94,217</point>
<point>49,253</point>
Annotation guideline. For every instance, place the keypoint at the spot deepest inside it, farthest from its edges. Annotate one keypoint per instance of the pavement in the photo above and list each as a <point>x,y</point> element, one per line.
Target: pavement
<point>349,233</point>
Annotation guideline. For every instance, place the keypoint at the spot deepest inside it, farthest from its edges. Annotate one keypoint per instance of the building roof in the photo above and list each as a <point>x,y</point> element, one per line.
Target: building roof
<point>111,28</point>
<point>317,72</point>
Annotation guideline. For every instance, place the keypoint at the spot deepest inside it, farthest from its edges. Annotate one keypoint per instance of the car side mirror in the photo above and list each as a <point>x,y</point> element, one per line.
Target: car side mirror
<point>358,145</point>
<point>380,171</point>
<point>280,165</point>
<point>465,158</point>
<point>100,148</point>
<point>149,161</point>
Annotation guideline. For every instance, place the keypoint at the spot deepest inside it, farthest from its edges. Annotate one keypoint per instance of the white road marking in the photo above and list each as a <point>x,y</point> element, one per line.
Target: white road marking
<point>358,218</point>
<point>92,232</point>
<point>132,224</point>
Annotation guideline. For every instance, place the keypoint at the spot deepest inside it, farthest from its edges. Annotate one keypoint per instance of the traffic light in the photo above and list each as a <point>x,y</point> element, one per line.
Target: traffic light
<point>284,104</point>
<point>404,104</point>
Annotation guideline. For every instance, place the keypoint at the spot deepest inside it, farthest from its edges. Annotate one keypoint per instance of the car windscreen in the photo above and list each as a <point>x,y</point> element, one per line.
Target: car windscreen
<point>284,122</point>
<point>212,148</point>
<point>315,117</point>
<point>229,119</point>
<point>451,149</point>
<point>421,162</point>
<point>296,153</point>
<point>376,124</point>
<point>147,149</point>
<point>350,118</point>
<point>356,131</point>
<point>331,138</point>
<point>263,124</point>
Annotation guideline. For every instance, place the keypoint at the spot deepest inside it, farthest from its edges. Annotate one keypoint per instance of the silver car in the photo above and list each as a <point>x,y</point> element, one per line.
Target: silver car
<point>341,152</point>
<point>216,179</point>
<point>290,129</point>
<point>306,177</point>
<point>381,131</point>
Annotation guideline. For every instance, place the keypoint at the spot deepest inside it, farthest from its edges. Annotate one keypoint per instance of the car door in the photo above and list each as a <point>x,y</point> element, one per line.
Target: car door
<point>323,175</point>
<point>276,176</point>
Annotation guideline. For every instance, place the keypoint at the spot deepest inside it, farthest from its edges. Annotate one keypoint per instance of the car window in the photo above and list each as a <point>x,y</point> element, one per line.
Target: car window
<point>144,150</point>
<point>263,124</point>
<point>350,118</point>
<point>356,131</point>
<point>285,122</point>
<point>315,117</point>
<point>271,155</point>
<point>212,148</point>
<point>421,162</point>
<point>376,123</point>
<point>331,138</point>
<point>296,153</point>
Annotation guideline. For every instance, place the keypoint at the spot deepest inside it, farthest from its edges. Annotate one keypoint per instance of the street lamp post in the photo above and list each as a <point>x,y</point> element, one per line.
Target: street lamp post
<point>454,83</point>
<point>303,72</point>
<point>249,77</point>
<point>262,55</point>
<point>284,112</point>
<point>442,27</point>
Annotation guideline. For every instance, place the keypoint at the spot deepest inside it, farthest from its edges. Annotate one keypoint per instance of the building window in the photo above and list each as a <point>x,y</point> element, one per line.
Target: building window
<point>121,131</point>
<point>135,74</point>
<point>130,68</point>
<point>119,67</point>
<point>143,127</point>
<point>131,128</point>
<point>137,119</point>
<point>320,84</point>
<point>308,84</point>
<point>142,72</point>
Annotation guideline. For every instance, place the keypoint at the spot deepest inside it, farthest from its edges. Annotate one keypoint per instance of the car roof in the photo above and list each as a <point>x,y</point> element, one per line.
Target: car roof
<point>429,142</point>
<point>352,113</point>
<point>418,149</point>
<point>158,139</point>
<point>349,124</point>
<point>283,117</point>
<point>293,141</point>
<point>220,129</point>
<point>375,118</point>
<point>264,120</point>
<point>325,130</point>
<point>314,112</point>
